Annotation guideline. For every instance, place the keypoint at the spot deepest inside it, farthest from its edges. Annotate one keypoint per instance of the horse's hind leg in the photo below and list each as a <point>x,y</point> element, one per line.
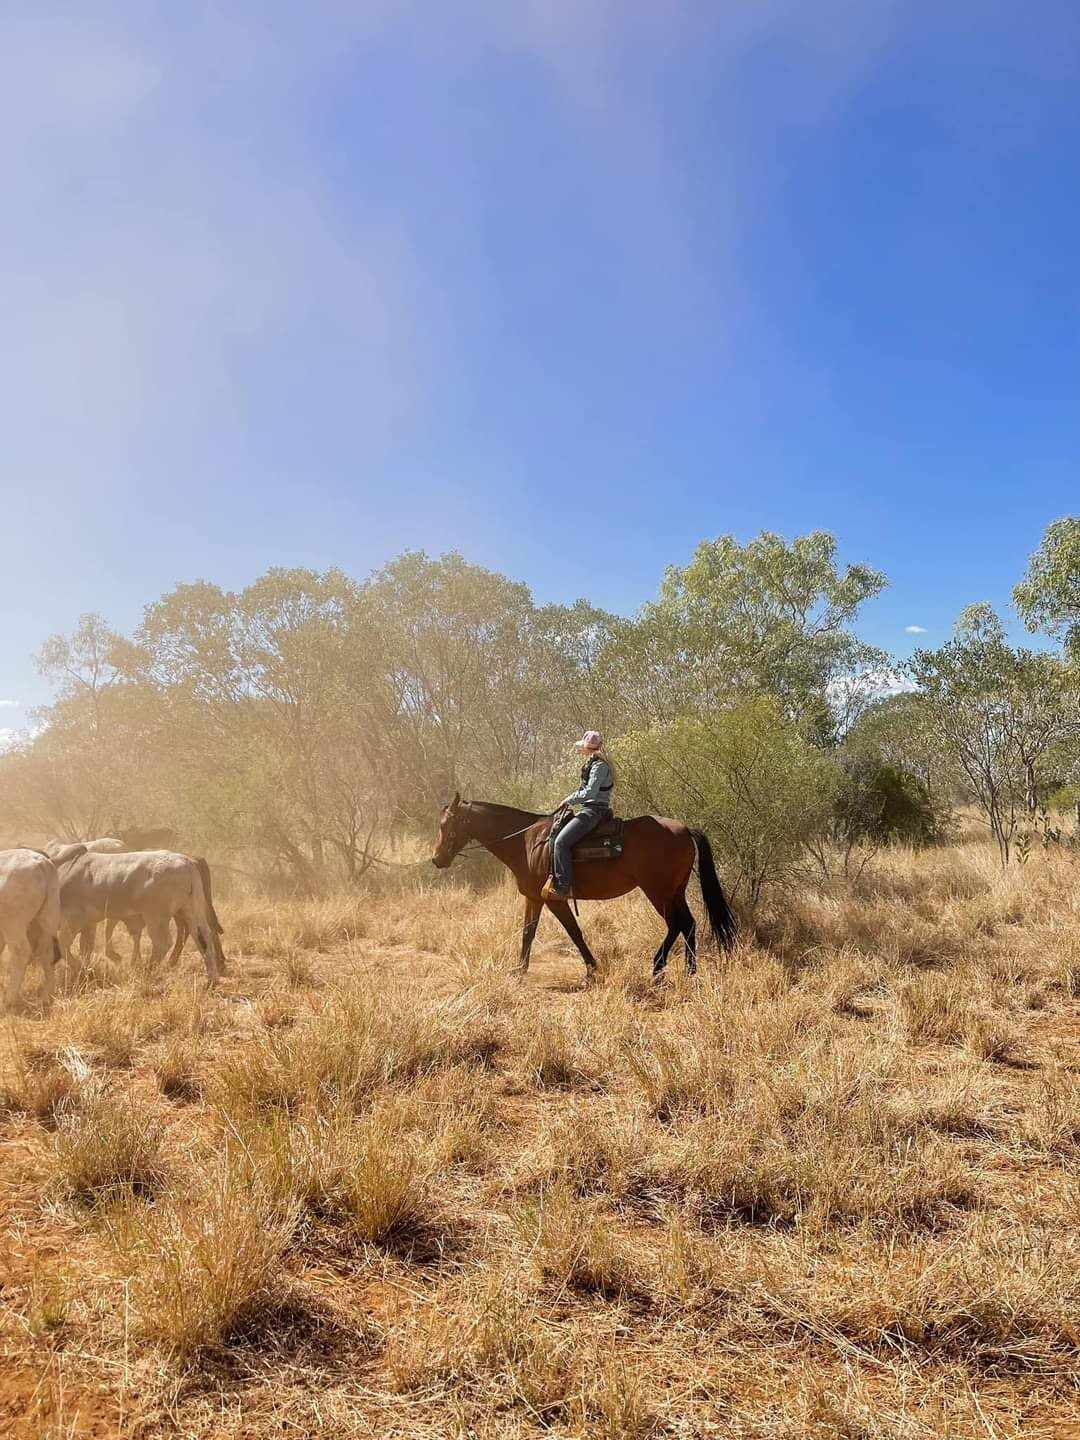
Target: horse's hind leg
<point>668,908</point>
<point>680,920</point>
<point>661,956</point>
<point>565,916</point>
<point>688,926</point>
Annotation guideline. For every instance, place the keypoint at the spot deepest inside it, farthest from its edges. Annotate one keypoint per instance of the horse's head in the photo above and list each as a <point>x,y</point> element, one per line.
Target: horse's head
<point>451,836</point>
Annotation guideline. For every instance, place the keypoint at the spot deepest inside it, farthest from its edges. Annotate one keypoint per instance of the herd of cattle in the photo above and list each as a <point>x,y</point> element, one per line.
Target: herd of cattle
<point>48,897</point>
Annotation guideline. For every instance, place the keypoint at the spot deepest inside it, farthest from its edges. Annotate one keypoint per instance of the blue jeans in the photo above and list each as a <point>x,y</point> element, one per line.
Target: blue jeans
<point>573,831</point>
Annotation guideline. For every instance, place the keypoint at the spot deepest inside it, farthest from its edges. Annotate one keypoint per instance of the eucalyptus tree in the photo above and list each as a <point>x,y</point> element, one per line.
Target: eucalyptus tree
<point>1048,597</point>
<point>770,617</point>
<point>278,708</point>
<point>999,712</point>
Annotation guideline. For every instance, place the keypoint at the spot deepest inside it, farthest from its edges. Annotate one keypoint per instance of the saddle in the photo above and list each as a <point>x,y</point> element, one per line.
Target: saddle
<point>604,842</point>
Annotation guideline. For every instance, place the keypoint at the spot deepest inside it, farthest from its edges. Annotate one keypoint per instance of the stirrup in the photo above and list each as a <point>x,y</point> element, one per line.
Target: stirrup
<point>549,892</point>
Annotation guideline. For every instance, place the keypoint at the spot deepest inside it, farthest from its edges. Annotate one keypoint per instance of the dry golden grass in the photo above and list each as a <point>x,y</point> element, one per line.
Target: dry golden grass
<point>108,1150</point>
<point>377,1184</point>
<point>201,1266</point>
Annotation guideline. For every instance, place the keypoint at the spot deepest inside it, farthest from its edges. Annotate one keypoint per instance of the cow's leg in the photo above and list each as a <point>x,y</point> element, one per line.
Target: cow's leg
<point>110,949</point>
<point>206,941</point>
<point>135,929</point>
<point>182,934</point>
<point>49,956</point>
<point>159,943</point>
<point>67,955</point>
<point>87,936</point>
<point>18,959</point>
<point>565,916</point>
<point>532,919</point>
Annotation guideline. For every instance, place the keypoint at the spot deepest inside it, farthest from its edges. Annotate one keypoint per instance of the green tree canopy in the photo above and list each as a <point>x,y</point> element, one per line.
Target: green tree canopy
<point>771,617</point>
<point>1048,597</point>
<point>998,712</point>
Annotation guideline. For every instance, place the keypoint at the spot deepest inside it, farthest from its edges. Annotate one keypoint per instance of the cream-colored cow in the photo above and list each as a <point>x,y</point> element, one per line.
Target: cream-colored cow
<point>143,888</point>
<point>102,845</point>
<point>29,918</point>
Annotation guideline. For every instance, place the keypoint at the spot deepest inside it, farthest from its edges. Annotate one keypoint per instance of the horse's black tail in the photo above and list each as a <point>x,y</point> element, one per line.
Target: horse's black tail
<point>721,920</point>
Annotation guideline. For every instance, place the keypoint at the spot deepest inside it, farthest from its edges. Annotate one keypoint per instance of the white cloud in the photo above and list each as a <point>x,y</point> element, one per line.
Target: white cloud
<point>852,689</point>
<point>914,629</point>
<point>891,683</point>
<point>10,704</point>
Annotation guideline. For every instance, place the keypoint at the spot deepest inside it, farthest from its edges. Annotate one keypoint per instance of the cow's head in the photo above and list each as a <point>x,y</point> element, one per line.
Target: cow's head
<point>65,854</point>
<point>451,836</point>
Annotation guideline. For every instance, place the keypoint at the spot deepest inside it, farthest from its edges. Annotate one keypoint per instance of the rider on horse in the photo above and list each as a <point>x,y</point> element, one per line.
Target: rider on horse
<point>594,797</point>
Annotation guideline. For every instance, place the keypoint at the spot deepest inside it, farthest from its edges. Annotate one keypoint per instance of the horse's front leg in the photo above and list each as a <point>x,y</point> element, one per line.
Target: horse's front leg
<point>565,916</point>
<point>532,919</point>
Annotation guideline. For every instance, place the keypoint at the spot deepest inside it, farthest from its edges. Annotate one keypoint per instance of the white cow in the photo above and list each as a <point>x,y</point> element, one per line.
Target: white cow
<point>109,845</point>
<point>103,845</point>
<point>142,888</point>
<point>29,918</point>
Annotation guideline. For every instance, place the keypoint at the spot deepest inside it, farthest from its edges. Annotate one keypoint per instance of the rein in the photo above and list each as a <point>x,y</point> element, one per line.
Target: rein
<point>475,844</point>
<point>472,847</point>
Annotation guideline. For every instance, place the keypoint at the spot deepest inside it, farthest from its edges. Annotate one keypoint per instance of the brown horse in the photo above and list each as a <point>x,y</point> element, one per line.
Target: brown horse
<point>657,857</point>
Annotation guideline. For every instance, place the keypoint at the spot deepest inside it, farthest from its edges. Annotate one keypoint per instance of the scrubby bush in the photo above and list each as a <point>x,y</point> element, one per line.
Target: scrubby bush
<point>878,804</point>
<point>747,776</point>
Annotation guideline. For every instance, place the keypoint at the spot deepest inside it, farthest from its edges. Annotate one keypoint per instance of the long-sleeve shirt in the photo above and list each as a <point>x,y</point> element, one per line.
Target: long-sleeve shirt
<point>597,784</point>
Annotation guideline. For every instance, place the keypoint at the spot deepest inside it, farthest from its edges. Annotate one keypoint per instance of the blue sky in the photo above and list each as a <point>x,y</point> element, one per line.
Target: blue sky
<point>313,284</point>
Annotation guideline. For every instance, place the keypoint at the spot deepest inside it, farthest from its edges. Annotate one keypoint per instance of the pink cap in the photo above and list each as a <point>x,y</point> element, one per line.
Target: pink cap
<point>591,740</point>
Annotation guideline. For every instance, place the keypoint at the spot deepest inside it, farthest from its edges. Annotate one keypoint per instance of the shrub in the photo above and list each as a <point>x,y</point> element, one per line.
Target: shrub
<point>745,775</point>
<point>555,1058</point>
<point>788,1151</point>
<point>879,804</point>
<point>364,1175</point>
<point>178,1070</point>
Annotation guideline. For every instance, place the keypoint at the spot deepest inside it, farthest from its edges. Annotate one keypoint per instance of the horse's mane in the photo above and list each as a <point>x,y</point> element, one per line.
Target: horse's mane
<point>489,807</point>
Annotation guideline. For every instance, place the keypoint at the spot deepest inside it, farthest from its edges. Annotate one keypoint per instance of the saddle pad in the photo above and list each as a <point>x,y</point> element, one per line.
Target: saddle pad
<point>588,851</point>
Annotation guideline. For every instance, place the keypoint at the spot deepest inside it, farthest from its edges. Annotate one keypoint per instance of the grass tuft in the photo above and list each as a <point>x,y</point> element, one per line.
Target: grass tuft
<point>108,1150</point>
